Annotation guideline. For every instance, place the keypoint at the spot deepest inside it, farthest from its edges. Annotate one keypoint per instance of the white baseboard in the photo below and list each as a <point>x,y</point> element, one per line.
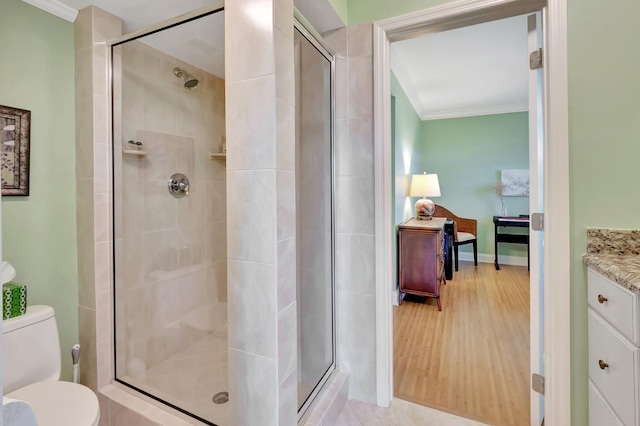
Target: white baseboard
<point>490,258</point>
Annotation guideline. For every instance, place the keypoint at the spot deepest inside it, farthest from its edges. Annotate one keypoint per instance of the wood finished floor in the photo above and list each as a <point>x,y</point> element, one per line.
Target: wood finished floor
<point>471,359</point>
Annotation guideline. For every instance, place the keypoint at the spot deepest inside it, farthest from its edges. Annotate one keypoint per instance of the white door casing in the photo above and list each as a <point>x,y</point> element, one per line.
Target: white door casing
<point>556,253</point>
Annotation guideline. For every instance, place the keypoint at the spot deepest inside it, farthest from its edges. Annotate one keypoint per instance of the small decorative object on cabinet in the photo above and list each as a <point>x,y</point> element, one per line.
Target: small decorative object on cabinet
<point>614,354</point>
<point>421,257</point>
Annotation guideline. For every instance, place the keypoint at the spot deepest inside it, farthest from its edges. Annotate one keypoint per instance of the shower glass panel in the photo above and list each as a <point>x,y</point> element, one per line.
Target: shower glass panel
<point>314,211</point>
<point>170,236</point>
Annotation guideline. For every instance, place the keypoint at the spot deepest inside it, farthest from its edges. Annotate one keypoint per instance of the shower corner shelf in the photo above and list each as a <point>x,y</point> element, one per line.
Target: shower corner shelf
<point>135,152</point>
<point>221,156</point>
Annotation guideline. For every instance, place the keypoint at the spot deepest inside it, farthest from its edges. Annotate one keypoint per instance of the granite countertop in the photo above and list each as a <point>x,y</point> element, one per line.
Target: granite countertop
<point>615,253</point>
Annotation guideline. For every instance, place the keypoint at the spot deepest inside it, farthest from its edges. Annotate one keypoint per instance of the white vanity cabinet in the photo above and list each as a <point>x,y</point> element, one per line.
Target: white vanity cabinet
<point>614,353</point>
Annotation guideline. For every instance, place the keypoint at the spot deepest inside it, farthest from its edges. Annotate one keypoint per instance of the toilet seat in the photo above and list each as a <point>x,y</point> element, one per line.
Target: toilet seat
<point>60,403</point>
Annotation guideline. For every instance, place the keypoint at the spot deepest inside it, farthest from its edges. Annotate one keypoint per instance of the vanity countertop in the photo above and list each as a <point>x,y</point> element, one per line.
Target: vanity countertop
<point>615,253</point>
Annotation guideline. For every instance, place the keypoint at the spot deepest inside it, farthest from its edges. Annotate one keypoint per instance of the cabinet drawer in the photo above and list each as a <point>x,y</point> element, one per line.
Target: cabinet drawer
<point>618,380</point>
<point>599,412</point>
<point>620,308</point>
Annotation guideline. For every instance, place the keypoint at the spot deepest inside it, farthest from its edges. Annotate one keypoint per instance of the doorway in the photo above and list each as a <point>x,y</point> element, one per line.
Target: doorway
<point>556,299</point>
<point>466,90</point>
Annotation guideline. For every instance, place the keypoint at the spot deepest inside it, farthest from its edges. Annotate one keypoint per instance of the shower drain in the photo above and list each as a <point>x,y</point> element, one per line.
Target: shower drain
<point>220,398</point>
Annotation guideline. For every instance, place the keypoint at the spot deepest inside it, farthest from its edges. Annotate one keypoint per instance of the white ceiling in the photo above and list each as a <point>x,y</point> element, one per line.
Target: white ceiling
<point>476,70</point>
<point>469,71</point>
<point>200,42</point>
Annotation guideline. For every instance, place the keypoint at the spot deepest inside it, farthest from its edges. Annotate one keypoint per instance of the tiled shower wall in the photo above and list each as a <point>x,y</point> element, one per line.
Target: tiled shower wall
<point>172,251</point>
<point>261,211</point>
<point>355,251</point>
<point>93,170</point>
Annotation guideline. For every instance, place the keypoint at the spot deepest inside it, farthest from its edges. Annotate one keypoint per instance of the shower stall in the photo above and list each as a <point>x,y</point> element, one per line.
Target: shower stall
<point>170,214</point>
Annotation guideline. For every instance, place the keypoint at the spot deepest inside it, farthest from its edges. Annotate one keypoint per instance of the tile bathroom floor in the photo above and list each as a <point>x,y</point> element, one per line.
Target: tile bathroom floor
<point>401,413</point>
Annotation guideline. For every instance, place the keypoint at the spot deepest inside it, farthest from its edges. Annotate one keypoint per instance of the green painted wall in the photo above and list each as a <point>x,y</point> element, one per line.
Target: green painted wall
<point>341,7</point>
<point>604,143</point>
<point>373,10</point>
<point>468,154</point>
<point>604,129</point>
<point>39,231</point>
<point>407,161</point>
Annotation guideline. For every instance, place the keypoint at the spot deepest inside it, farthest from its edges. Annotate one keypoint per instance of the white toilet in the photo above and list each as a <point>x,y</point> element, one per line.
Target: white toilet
<point>31,371</point>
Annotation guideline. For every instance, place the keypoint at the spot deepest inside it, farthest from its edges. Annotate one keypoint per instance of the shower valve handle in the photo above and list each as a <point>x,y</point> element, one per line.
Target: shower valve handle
<point>178,185</point>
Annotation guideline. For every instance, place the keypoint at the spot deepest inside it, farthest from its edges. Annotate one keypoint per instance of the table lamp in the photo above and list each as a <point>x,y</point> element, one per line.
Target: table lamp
<point>425,185</point>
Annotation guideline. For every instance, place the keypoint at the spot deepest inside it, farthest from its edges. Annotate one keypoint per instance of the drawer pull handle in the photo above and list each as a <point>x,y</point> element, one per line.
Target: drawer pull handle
<point>602,299</point>
<point>602,364</point>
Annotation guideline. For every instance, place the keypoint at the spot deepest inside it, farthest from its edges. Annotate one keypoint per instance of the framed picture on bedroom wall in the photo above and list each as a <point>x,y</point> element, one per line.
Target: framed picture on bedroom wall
<point>515,183</point>
<point>15,130</point>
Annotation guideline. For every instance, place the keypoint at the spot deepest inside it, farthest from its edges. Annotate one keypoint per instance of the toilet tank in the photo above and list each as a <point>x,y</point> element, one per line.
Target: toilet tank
<point>30,348</point>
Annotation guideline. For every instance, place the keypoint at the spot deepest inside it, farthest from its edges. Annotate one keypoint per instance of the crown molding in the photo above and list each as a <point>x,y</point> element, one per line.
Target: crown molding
<point>472,112</point>
<point>55,8</point>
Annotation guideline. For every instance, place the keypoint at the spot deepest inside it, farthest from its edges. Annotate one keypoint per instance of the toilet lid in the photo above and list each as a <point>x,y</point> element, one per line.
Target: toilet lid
<point>60,403</point>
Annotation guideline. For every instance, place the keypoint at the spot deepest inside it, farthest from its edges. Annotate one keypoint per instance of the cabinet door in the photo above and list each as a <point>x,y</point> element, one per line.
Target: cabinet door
<point>599,412</point>
<point>613,367</point>
<point>419,265</point>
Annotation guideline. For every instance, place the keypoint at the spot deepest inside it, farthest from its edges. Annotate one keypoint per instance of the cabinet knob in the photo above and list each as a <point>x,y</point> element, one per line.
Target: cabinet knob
<point>602,364</point>
<point>602,299</point>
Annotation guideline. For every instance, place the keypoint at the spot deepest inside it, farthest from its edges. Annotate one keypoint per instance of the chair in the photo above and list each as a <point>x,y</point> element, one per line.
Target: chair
<point>465,231</point>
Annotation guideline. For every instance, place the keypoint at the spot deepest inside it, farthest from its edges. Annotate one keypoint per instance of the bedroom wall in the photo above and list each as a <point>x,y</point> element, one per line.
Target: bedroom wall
<point>468,154</point>
<point>407,128</point>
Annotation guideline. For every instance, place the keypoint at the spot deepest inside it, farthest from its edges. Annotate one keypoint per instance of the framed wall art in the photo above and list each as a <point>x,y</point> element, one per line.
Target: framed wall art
<point>15,129</point>
<point>515,183</point>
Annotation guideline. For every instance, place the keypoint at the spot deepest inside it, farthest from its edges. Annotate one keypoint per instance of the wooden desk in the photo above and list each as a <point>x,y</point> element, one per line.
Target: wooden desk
<point>506,237</point>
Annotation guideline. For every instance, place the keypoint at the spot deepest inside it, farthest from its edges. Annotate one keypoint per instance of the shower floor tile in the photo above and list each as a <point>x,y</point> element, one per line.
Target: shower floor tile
<point>190,378</point>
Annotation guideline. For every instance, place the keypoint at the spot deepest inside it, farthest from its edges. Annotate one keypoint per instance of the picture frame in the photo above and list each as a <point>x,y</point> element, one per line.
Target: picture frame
<point>15,140</point>
<point>515,183</point>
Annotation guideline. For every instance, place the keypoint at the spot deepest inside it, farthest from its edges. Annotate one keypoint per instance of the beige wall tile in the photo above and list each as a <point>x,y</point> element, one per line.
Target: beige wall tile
<point>285,134</point>
<point>87,331</point>
<point>252,312</point>
<point>360,87</point>
<point>287,342</point>
<point>251,144</point>
<point>250,379</point>
<point>285,89</point>
<point>288,400</point>
<point>251,200</point>
<point>252,44</point>
<point>286,264</point>
<point>360,40</point>
<point>286,204</point>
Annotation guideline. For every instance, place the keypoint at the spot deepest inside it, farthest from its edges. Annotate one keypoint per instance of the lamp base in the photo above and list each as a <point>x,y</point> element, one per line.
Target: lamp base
<point>425,209</point>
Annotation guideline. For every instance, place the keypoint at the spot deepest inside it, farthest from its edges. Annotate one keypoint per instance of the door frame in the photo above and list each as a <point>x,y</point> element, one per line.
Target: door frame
<point>556,169</point>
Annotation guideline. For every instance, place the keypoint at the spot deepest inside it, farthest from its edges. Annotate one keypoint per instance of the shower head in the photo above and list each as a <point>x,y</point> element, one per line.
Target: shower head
<point>190,82</point>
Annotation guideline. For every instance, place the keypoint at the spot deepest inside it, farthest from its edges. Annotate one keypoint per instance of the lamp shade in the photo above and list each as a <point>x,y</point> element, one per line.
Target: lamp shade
<point>425,185</point>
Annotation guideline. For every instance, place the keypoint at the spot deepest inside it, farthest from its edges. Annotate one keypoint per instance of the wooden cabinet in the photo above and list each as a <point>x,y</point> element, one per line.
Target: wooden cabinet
<point>614,354</point>
<point>421,257</point>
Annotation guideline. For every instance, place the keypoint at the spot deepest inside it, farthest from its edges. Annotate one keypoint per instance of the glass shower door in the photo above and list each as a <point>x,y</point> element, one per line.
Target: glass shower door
<point>170,216</point>
<point>314,211</point>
